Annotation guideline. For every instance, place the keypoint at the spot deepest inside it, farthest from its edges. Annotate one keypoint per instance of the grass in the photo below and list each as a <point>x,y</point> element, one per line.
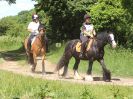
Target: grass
<point>14,86</point>
<point>10,43</point>
<point>119,61</point>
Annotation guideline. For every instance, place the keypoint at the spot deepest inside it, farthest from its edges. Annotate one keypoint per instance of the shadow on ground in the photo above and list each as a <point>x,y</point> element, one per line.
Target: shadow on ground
<point>13,55</point>
<point>101,79</point>
<point>96,79</point>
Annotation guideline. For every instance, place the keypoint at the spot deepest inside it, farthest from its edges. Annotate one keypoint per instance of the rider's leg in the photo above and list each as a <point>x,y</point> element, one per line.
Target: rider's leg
<point>29,42</point>
<point>82,49</point>
<point>90,43</point>
<point>84,39</point>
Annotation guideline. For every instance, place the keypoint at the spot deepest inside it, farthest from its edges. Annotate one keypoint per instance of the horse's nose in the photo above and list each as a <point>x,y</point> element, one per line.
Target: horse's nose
<point>114,44</point>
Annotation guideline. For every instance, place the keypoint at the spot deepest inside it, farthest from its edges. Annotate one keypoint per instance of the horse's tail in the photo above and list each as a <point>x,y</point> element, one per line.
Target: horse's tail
<point>31,59</point>
<point>64,60</point>
<point>61,62</point>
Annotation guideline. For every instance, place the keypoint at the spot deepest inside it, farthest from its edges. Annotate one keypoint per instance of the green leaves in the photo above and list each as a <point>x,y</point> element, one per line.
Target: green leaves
<point>64,18</point>
<point>105,14</point>
<point>10,1</point>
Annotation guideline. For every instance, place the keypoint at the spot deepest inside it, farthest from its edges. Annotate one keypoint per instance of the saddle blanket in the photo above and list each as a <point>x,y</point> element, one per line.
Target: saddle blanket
<point>78,47</point>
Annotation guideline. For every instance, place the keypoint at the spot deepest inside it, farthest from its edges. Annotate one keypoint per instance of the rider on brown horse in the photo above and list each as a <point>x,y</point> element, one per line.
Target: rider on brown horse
<point>87,32</point>
<point>33,29</point>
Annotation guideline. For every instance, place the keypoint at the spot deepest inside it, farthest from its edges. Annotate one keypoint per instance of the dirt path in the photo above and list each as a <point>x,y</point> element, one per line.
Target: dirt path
<point>25,70</point>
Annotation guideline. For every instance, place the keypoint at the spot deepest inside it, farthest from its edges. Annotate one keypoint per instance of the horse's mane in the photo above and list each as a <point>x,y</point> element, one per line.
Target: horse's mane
<point>102,35</point>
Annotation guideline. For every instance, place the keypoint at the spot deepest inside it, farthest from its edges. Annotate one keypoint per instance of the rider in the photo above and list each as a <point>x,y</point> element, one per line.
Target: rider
<point>87,32</point>
<point>33,29</point>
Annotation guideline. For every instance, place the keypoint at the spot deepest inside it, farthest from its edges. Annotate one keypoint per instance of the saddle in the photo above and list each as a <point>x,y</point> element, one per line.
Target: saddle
<point>87,45</point>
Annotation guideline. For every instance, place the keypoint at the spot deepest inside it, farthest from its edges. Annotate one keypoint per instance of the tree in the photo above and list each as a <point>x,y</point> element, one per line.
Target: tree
<point>66,16</point>
<point>11,1</point>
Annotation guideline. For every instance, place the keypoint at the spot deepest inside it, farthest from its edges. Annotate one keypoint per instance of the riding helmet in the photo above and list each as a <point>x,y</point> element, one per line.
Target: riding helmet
<point>86,16</point>
<point>34,16</point>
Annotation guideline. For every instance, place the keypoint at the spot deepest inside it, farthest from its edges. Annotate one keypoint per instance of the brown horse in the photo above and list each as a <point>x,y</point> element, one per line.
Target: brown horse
<point>38,48</point>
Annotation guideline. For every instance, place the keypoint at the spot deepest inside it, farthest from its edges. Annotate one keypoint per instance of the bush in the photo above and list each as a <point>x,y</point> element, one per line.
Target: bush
<point>8,42</point>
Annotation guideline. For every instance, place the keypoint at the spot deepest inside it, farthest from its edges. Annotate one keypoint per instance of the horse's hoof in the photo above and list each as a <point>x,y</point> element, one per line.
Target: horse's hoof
<point>107,80</point>
<point>33,70</point>
<point>78,78</point>
<point>44,73</point>
<point>60,73</point>
<point>88,78</point>
<point>65,76</point>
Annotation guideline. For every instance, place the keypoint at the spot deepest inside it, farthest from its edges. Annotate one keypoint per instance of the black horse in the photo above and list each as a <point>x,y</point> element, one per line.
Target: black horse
<point>96,52</point>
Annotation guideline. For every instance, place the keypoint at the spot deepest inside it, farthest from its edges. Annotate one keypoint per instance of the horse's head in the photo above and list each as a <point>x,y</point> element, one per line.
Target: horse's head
<point>41,30</point>
<point>111,39</point>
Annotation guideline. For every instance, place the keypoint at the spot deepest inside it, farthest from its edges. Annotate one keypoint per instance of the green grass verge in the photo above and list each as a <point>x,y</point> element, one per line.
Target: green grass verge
<point>14,86</point>
<point>10,43</point>
<point>118,60</point>
<point>11,48</point>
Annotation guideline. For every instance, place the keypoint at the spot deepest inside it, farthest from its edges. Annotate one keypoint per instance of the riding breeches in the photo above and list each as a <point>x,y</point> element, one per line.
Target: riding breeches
<point>83,38</point>
<point>29,40</point>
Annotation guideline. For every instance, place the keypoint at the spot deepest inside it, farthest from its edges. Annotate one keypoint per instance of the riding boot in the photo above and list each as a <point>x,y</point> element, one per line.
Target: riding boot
<point>29,42</point>
<point>29,45</point>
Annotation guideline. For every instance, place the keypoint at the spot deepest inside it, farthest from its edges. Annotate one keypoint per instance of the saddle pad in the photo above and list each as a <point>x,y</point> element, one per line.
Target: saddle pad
<point>32,41</point>
<point>88,47</point>
<point>78,47</point>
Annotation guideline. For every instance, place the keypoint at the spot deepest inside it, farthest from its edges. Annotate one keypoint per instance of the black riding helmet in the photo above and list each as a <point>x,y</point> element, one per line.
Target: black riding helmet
<point>41,27</point>
<point>86,16</point>
<point>35,16</point>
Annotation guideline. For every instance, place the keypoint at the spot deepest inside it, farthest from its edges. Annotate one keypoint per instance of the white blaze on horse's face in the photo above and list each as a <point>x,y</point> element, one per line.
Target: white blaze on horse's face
<point>112,40</point>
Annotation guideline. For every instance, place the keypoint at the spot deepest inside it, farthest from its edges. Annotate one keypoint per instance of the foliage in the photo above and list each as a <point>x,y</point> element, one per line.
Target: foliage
<point>11,1</point>
<point>9,26</point>
<point>111,15</point>
<point>44,92</point>
<point>116,92</point>
<point>66,17</point>
<point>8,42</point>
<point>63,19</point>
<point>15,86</point>
<point>86,94</point>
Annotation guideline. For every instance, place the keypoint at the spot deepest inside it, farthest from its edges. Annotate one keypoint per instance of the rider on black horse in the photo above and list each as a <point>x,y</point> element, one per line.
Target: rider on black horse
<point>33,29</point>
<point>87,32</point>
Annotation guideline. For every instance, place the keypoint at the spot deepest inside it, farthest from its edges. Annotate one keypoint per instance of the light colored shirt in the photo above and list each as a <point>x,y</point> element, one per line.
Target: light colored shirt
<point>33,26</point>
<point>89,27</point>
<point>88,30</point>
